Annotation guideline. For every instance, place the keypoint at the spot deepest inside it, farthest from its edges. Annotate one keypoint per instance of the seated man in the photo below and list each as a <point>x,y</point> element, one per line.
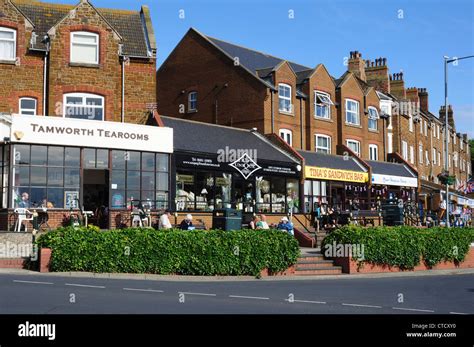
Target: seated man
<point>286,225</point>
<point>187,223</point>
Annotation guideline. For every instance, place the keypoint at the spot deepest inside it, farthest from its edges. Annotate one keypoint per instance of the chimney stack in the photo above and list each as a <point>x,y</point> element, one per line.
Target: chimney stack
<point>442,114</point>
<point>377,75</point>
<point>423,94</point>
<point>412,94</point>
<point>357,65</point>
<point>397,85</point>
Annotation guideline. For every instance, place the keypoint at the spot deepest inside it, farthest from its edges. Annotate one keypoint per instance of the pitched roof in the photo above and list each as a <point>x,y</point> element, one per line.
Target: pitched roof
<point>128,24</point>
<point>192,136</point>
<point>331,161</point>
<point>392,169</point>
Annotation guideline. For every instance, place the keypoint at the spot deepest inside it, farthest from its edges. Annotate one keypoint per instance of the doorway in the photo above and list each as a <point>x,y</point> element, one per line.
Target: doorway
<point>96,196</point>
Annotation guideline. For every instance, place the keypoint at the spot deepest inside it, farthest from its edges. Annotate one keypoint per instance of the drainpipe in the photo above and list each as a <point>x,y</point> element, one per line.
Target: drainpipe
<point>273,112</point>
<point>301,122</point>
<point>45,79</point>
<point>384,144</point>
<point>124,60</point>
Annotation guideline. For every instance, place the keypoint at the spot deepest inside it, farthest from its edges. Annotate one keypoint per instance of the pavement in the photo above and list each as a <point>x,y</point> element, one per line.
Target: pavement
<point>34,293</point>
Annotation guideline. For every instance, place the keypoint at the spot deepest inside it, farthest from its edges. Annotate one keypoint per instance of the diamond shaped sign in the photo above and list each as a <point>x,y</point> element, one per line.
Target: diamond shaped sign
<point>246,166</point>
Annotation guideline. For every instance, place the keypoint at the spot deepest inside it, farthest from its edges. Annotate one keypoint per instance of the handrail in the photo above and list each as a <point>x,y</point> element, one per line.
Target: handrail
<point>304,226</point>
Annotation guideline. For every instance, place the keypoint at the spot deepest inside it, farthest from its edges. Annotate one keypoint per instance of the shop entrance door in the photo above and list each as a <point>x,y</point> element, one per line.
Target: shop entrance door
<point>96,196</point>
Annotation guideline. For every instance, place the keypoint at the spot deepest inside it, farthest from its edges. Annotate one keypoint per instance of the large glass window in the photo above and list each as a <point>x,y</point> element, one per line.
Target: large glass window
<point>7,44</point>
<point>84,47</point>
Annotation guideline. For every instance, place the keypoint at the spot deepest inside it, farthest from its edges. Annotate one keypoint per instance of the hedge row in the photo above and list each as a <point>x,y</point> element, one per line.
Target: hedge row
<point>405,246</point>
<point>135,250</point>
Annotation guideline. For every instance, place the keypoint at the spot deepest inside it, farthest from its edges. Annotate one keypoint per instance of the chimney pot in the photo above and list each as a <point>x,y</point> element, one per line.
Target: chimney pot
<point>384,61</point>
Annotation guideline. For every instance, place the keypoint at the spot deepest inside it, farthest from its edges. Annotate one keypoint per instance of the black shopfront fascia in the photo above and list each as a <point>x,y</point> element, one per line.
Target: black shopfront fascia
<point>200,183</point>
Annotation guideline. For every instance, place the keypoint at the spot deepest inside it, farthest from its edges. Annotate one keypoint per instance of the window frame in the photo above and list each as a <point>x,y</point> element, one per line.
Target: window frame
<point>373,118</point>
<point>84,96</point>
<point>20,109</point>
<point>433,155</point>
<point>412,154</point>
<point>287,98</point>
<point>14,31</point>
<point>405,150</point>
<point>190,101</point>
<point>420,153</point>
<point>286,132</point>
<point>357,112</point>
<point>97,45</point>
<point>375,149</point>
<point>327,105</point>
<point>329,139</point>
<point>355,142</point>
<point>410,123</point>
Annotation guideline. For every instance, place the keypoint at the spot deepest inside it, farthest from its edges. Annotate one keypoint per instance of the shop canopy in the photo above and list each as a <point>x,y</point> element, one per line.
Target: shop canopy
<point>392,174</point>
<point>203,145</point>
<point>320,166</point>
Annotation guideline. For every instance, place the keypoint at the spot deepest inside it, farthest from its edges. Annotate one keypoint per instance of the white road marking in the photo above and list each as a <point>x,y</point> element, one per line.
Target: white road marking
<point>32,282</point>
<point>143,290</point>
<point>248,297</point>
<point>306,301</point>
<point>202,294</point>
<point>83,285</point>
<point>360,305</point>
<point>458,313</point>
<point>411,309</point>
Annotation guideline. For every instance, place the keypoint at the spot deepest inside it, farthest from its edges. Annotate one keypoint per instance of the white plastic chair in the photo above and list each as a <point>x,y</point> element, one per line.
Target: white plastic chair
<point>23,215</point>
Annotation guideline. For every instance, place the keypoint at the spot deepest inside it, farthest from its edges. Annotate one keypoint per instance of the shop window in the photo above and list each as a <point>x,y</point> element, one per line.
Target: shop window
<point>148,180</point>
<point>21,154</point>
<point>162,181</point>
<point>38,176</point>
<point>185,191</point>
<point>162,162</point>
<point>148,161</point>
<point>420,153</point>
<point>27,106</point>
<point>84,47</point>
<point>7,44</point>
<point>72,157</point>
<point>278,199</point>
<point>133,181</point>
<point>204,191</point>
<point>71,177</point>
<point>39,155</point>
<point>223,189</point>
<point>56,156</point>
<point>284,98</point>
<point>102,159</point>
<point>292,194</point>
<point>55,177</point>
<point>263,197</point>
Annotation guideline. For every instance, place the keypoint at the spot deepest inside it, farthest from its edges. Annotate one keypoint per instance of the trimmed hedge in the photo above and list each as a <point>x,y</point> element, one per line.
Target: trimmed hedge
<point>405,246</point>
<point>135,250</point>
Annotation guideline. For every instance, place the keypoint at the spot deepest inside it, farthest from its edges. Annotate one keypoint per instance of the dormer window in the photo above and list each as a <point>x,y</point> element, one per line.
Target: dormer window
<point>322,102</point>
<point>7,44</point>
<point>84,47</point>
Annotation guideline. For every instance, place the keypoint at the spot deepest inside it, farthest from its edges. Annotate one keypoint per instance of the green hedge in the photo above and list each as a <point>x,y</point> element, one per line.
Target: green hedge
<point>135,250</point>
<point>405,246</point>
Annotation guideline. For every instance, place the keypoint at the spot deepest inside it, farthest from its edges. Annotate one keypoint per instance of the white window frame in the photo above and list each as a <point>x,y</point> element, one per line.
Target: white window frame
<point>410,123</point>
<point>426,128</point>
<point>287,134</point>
<point>84,96</point>
<point>421,126</point>
<point>324,150</point>
<point>21,110</point>
<point>325,101</point>
<point>412,154</point>
<point>455,159</point>
<point>437,130</point>
<point>356,113</point>
<point>420,153</point>
<point>405,150</point>
<point>373,117</point>
<point>427,157</point>
<point>9,30</point>
<point>439,158</point>
<point>74,45</point>
<point>462,144</point>
<point>286,98</point>
<point>192,100</point>
<point>357,143</point>
<point>455,138</point>
<point>433,154</point>
<point>373,152</point>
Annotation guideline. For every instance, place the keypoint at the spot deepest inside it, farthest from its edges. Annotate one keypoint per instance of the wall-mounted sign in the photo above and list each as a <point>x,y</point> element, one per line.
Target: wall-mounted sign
<point>71,199</point>
<point>319,173</point>
<point>398,181</point>
<point>88,133</point>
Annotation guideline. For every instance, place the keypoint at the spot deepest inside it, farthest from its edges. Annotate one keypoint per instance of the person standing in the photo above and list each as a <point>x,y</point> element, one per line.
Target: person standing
<point>165,223</point>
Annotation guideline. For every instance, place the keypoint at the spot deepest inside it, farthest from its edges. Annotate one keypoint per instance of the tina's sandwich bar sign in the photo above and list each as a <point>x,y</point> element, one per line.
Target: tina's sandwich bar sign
<point>319,173</point>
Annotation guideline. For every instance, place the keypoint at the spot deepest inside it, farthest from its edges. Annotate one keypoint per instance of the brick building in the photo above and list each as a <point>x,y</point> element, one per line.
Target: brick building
<point>62,54</point>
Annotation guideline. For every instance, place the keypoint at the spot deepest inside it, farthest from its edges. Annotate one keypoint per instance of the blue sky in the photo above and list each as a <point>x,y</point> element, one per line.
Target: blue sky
<point>413,35</point>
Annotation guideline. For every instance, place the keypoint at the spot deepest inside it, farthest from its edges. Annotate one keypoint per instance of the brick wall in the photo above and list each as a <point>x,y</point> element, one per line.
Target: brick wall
<point>24,79</point>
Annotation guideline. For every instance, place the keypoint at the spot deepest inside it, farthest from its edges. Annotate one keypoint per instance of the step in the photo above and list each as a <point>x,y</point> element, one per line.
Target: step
<point>314,264</point>
<point>334,270</point>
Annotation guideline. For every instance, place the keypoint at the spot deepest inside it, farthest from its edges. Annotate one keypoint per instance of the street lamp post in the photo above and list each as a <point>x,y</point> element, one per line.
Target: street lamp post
<point>448,60</point>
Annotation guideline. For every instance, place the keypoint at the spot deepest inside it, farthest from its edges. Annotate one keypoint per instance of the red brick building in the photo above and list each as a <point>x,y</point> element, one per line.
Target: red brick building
<point>60,54</point>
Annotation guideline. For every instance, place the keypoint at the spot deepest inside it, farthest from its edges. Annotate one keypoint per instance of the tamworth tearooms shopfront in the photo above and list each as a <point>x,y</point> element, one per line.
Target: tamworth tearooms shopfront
<point>104,165</point>
<point>333,180</point>
<point>217,167</point>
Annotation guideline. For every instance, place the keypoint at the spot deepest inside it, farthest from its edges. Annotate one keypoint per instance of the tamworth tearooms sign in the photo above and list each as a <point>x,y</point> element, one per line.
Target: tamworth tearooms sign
<point>320,173</point>
<point>89,133</point>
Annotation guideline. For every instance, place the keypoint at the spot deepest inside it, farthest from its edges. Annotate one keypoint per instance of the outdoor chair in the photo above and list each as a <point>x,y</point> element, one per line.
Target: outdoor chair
<point>23,215</point>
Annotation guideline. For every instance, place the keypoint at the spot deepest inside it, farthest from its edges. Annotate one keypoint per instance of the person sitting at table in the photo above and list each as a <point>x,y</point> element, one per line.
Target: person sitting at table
<point>25,200</point>
<point>286,225</point>
<point>187,223</point>
<point>262,223</point>
<point>165,220</point>
<point>46,204</point>
<point>254,222</point>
